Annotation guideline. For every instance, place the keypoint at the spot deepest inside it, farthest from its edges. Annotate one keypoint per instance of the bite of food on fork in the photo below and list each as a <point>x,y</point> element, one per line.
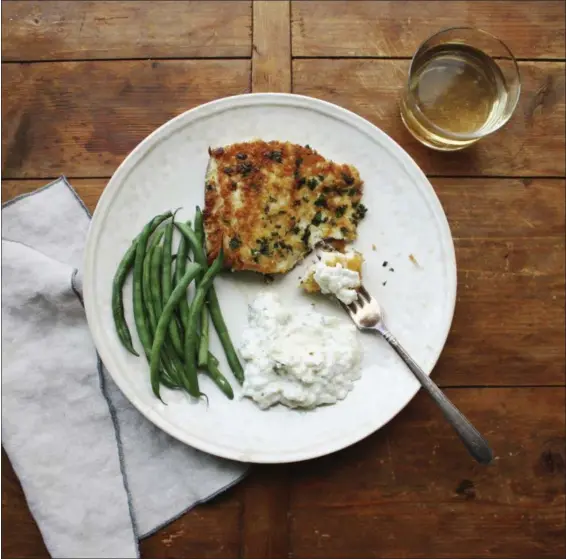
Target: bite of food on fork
<point>339,275</point>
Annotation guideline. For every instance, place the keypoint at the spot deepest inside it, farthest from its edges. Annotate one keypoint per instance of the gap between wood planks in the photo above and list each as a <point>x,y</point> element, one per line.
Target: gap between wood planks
<point>127,59</point>
<point>265,525</point>
<point>167,58</point>
<point>271,46</point>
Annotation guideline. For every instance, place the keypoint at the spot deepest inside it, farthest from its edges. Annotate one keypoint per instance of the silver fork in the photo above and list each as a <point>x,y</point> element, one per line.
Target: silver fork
<point>367,316</point>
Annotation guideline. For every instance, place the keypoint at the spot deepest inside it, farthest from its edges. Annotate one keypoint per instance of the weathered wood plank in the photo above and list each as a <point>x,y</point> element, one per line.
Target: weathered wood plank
<point>82,118</point>
<point>393,28</point>
<point>411,490</point>
<point>210,531</point>
<point>78,125</point>
<point>508,328</point>
<point>265,504</point>
<point>503,208</point>
<point>22,537</point>
<point>271,57</point>
<point>63,30</point>
<point>531,144</point>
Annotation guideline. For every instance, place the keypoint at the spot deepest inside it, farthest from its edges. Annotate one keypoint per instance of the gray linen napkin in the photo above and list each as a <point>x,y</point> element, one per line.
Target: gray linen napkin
<point>97,475</point>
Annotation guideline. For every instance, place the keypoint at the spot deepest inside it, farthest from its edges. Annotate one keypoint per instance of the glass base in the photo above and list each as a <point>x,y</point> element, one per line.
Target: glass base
<point>430,139</point>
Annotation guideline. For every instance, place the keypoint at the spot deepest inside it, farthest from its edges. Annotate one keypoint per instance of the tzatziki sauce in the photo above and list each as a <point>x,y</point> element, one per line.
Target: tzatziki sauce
<point>297,356</point>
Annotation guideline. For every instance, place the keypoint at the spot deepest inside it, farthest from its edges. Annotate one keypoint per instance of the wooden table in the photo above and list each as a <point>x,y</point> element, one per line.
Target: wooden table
<point>83,82</point>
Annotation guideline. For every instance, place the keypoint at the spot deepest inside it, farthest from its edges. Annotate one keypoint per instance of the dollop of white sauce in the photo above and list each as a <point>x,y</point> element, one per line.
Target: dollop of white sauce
<point>337,280</point>
<point>297,357</point>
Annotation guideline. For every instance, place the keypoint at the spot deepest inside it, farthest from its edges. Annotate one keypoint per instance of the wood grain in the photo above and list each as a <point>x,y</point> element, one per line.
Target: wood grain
<point>393,28</point>
<point>410,490</point>
<point>22,537</point>
<point>531,144</point>
<point>63,30</point>
<point>210,531</point>
<point>83,118</point>
<point>271,57</point>
<point>265,505</point>
<point>479,208</point>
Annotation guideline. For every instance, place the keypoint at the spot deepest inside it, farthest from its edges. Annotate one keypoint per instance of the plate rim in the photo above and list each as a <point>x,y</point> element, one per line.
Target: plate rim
<point>104,203</point>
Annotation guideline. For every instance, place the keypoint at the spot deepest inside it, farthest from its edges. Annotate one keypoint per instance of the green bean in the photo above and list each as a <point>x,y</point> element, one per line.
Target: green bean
<point>214,307</point>
<point>166,280</point>
<point>172,363</point>
<point>222,331</point>
<point>139,314</point>
<point>167,285</point>
<point>180,266</point>
<point>204,327</point>
<point>218,378</point>
<point>124,268</point>
<point>173,367</point>
<point>170,375</point>
<point>190,235</point>
<point>146,278</point>
<point>203,345</point>
<point>191,335</point>
<point>169,383</point>
<point>117,298</point>
<point>163,325</point>
<point>155,280</point>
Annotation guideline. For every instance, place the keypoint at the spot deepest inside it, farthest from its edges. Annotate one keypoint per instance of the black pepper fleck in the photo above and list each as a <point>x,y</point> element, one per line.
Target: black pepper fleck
<point>245,168</point>
<point>348,179</point>
<point>275,155</point>
<point>306,236</point>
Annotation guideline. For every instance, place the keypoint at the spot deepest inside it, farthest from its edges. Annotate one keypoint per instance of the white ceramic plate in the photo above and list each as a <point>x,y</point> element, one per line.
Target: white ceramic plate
<point>404,218</point>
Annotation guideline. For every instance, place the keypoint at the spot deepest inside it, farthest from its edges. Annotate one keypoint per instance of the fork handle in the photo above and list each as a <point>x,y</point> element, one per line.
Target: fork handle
<point>477,446</point>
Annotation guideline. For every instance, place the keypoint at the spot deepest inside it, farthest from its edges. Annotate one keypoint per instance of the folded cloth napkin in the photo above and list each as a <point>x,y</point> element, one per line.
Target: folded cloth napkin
<point>96,474</point>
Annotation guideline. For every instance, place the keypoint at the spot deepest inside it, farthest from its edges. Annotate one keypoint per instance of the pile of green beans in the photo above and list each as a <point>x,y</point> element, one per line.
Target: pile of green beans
<point>173,331</point>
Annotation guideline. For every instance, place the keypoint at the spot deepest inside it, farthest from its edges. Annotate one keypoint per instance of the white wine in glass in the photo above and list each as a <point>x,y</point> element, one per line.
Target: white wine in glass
<point>460,89</point>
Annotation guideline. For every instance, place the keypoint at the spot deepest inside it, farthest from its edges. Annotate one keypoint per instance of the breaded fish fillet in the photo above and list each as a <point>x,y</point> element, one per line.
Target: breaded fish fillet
<point>270,203</point>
